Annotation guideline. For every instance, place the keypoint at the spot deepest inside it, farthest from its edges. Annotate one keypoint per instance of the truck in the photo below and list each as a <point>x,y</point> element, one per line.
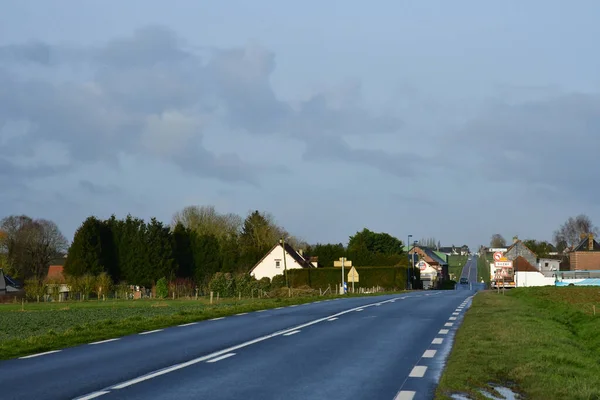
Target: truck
<point>502,275</point>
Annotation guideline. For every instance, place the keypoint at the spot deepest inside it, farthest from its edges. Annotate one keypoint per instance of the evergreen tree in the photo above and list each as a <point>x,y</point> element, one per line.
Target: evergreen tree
<point>85,255</point>
<point>207,257</point>
<point>182,251</point>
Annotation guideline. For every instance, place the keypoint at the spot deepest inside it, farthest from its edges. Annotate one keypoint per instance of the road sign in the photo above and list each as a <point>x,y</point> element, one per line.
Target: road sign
<point>503,264</point>
<point>347,263</point>
<point>497,256</point>
<point>353,275</point>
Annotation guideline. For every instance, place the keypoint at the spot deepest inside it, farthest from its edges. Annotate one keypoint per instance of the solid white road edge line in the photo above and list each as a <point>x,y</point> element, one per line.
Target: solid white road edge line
<point>242,313</point>
<point>93,395</point>
<point>332,319</point>
<point>190,324</point>
<point>230,349</point>
<point>405,395</point>
<point>104,341</point>
<point>216,319</point>
<point>418,371</point>
<point>429,353</point>
<point>291,333</point>
<point>154,331</point>
<point>224,356</point>
<point>39,354</point>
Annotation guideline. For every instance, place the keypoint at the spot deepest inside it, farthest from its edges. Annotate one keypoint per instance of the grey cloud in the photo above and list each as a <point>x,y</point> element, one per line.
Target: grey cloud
<point>96,189</point>
<point>32,52</point>
<point>551,144</point>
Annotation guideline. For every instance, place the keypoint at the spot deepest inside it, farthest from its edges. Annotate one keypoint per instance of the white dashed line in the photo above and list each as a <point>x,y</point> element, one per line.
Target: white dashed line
<point>418,371</point>
<point>449,324</point>
<point>332,319</point>
<point>243,313</point>
<point>429,353</point>
<point>443,331</point>
<point>437,340</point>
<point>216,319</point>
<point>40,354</point>
<point>452,319</point>
<point>405,395</point>
<point>154,331</point>
<point>190,324</point>
<point>93,395</point>
<point>224,356</point>
<point>455,313</point>
<point>291,333</point>
<point>104,341</point>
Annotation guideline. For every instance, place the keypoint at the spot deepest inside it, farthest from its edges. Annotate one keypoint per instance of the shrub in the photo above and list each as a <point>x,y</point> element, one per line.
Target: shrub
<point>162,288</point>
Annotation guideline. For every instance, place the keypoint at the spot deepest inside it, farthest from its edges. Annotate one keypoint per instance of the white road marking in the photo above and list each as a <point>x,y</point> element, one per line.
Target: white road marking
<point>104,341</point>
<point>360,309</point>
<point>332,319</point>
<point>452,319</point>
<point>230,349</point>
<point>317,301</point>
<point>216,319</point>
<point>443,331</point>
<point>40,354</point>
<point>418,371</point>
<point>224,356</point>
<point>190,324</point>
<point>279,308</point>
<point>437,340</point>
<point>291,333</point>
<point>242,313</point>
<point>93,395</point>
<point>154,331</point>
<point>455,313</point>
<point>294,305</point>
<point>405,395</point>
<point>261,310</point>
<point>429,353</point>
<point>449,324</point>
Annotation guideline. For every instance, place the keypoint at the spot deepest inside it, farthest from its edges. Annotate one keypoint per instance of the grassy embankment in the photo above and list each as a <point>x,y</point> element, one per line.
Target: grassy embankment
<point>455,266</point>
<point>483,267</point>
<point>541,342</point>
<point>37,327</point>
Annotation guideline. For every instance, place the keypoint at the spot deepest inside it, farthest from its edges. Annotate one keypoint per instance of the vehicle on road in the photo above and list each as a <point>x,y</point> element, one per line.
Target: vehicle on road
<point>464,281</point>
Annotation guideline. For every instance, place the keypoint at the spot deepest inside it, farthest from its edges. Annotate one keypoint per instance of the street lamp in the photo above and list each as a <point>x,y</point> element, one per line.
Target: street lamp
<point>413,254</point>
<point>412,266</point>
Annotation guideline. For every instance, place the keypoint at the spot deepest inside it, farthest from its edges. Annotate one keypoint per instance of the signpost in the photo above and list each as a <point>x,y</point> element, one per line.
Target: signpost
<point>497,256</point>
<point>341,263</point>
<point>353,277</point>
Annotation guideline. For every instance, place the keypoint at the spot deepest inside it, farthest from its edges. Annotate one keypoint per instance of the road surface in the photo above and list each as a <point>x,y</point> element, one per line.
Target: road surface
<point>387,347</point>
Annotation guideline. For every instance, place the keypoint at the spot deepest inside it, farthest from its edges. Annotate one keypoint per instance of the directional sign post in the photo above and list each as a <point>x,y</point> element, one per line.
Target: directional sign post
<point>341,263</point>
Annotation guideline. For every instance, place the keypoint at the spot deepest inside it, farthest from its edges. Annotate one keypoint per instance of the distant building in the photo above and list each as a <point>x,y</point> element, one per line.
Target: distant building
<point>586,255</point>
<point>518,249</point>
<point>272,263</point>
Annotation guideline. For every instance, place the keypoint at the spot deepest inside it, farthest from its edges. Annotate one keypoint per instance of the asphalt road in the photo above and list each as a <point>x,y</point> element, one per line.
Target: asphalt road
<point>387,347</point>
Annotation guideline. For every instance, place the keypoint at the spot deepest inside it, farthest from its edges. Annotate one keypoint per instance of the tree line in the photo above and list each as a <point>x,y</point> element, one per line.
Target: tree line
<point>198,243</point>
<point>567,236</point>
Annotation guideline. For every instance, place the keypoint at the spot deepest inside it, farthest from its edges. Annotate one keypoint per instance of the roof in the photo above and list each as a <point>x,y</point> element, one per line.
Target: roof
<point>583,245</point>
<point>522,244</point>
<point>441,255</point>
<point>289,250</point>
<point>56,271</point>
<point>432,254</point>
<point>520,264</point>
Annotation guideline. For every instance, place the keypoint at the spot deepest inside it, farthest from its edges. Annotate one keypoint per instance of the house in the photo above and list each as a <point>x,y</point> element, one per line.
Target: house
<point>518,249</point>
<point>586,255</point>
<point>56,282</point>
<point>8,285</point>
<point>431,258</point>
<point>528,275</point>
<point>273,264</point>
<point>428,274</point>
<point>549,264</point>
<point>449,251</point>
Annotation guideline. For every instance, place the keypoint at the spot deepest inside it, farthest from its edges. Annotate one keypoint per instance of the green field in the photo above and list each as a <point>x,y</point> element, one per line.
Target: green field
<point>542,342</point>
<point>483,268</point>
<point>37,327</point>
<point>455,266</point>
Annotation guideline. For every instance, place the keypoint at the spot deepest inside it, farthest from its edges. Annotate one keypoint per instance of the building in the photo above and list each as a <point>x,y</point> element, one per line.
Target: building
<point>549,264</point>
<point>273,264</point>
<point>586,255</point>
<point>428,274</point>
<point>8,285</point>
<point>518,249</point>
<point>432,259</point>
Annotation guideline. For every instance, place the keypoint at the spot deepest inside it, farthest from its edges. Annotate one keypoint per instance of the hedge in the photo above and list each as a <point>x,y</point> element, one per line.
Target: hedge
<point>385,277</point>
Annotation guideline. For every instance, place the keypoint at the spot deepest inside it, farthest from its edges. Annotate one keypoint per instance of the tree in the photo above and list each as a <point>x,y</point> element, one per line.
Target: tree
<point>30,244</point>
<point>259,234</point>
<point>85,255</point>
<point>541,248</point>
<point>207,257</point>
<point>159,260</point>
<point>369,248</point>
<point>205,220</point>
<point>182,250</point>
<point>497,240</point>
<point>429,242</point>
<point>327,253</point>
<point>569,234</point>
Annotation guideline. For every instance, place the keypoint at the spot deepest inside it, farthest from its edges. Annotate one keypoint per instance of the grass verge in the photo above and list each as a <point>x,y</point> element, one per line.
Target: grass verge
<point>541,342</point>
<point>38,327</point>
<point>455,266</point>
<point>483,268</point>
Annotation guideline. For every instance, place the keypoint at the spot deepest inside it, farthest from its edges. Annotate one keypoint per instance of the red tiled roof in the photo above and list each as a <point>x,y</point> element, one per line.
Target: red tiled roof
<point>56,271</point>
<point>520,264</point>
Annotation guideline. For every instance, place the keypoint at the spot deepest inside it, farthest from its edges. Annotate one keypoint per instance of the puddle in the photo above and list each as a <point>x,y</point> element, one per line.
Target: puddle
<point>505,392</point>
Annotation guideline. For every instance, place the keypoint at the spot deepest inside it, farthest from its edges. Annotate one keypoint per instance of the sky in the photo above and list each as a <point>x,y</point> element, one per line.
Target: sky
<point>447,119</point>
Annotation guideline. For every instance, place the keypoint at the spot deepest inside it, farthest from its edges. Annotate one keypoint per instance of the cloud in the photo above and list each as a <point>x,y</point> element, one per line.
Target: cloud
<point>550,144</point>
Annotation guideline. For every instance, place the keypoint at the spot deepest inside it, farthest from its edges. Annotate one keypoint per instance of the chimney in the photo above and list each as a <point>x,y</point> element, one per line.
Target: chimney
<point>515,239</point>
<point>591,241</point>
<point>582,236</point>
<point>301,252</point>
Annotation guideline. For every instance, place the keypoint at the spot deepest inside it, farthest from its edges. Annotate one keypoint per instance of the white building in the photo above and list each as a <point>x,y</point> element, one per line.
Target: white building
<point>273,262</point>
<point>428,274</point>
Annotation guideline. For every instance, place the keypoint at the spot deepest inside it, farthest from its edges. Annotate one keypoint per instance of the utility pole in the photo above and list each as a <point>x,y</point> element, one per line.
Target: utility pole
<point>413,262</point>
<point>343,286</point>
<point>287,283</point>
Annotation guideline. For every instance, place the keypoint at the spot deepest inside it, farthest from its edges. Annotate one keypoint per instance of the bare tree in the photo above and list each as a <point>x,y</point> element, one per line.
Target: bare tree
<point>569,234</point>
<point>497,240</point>
<point>205,220</point>
<point>31,244</point>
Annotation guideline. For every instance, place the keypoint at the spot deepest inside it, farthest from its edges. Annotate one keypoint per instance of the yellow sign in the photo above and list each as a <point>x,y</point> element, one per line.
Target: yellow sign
<point>347,263</point>
<point>353,275</point>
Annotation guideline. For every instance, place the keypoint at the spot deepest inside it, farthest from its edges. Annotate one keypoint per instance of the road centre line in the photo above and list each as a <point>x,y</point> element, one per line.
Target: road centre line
<point>224,356</point>
<point>291,333</point>
<point>93,395</point>
<point>233,348</point>
<point>332,319</point>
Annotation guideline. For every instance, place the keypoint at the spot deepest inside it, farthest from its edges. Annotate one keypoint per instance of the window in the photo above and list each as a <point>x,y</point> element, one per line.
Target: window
<point>546,264</point>
<point>277,263</point>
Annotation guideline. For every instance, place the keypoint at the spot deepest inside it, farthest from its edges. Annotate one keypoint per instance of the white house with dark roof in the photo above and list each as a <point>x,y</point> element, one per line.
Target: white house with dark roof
<point>273,262</point>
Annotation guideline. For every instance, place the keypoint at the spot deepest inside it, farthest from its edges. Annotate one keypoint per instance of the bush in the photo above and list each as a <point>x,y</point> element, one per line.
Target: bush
<point>389,278</point>
<point>278,281</point>
<point>162,288</point>
<point>35,289</point>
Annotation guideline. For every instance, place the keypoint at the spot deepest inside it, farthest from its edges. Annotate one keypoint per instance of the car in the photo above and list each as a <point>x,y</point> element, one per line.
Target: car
<point>464,281</point>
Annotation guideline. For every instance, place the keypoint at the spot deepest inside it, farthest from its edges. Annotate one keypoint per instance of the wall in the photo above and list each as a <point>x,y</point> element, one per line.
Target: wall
<point>268,266</point>
<point>520,249</point>
<point>553,265</point>
<point>530,279</point>
<point>582,260</point>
